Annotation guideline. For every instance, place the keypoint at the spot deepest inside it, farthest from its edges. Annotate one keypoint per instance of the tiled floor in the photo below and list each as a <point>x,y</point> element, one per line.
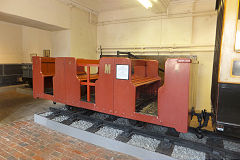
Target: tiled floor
<point>27,140</point>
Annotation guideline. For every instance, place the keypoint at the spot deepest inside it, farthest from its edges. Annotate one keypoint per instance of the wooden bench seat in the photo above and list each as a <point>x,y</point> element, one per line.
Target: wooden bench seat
<point>146,80</point>
<point>48,75</point>
<point>84,77</point>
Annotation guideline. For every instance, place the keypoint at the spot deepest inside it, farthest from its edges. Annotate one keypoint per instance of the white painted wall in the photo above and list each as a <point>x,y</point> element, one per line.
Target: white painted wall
<point>204,30</point>
<point>184,30</point>
<point>79,41</point>
<point>10,43</point>
<point>146,33</point>
<point>185,24</point>
<point>34,41</point>
<point>83,35</point>
<point>18,42</point>
<point>61,43</point>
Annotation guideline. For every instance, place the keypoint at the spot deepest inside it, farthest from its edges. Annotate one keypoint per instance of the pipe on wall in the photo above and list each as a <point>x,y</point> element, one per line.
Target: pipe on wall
<point>159,50</point>
<point>79,5</point>
<point>159,16</point>
<point>157,47</point>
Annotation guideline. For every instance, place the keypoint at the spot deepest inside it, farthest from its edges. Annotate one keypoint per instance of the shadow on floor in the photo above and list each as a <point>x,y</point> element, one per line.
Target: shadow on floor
<point>15,106</point>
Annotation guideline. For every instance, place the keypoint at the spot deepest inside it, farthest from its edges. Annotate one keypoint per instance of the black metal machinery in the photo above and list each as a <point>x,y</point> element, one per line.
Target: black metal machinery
<point>13,74</point>
<point>10,74</point>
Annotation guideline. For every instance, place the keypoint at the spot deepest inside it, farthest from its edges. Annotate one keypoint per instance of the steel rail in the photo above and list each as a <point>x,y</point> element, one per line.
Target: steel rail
<point>128,130</point>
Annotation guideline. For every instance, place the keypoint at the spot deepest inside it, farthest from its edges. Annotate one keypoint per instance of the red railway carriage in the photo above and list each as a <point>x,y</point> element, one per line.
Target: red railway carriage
<point>129,88</point>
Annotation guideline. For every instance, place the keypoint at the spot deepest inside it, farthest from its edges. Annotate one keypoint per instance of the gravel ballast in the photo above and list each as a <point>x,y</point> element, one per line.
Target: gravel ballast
<point>183,153</point>
<point>109,132</point>
<point>231,146</point>
<point>144,142</point>
<point>60,118</point>
<point>83,125</point>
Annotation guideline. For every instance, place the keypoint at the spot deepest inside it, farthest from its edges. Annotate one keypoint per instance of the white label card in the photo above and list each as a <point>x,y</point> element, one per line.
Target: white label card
<point>122,71</point>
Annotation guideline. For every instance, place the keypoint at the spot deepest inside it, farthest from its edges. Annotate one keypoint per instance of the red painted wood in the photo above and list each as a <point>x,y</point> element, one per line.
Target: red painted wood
<point>173,96</point>
<point>115,96</point>
<point>88,83</point>
<point>104,86</point>
<point>42,67</point>
<point>59,87</point>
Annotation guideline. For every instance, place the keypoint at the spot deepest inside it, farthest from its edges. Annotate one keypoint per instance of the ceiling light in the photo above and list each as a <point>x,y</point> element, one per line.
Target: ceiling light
<point>146,3</point>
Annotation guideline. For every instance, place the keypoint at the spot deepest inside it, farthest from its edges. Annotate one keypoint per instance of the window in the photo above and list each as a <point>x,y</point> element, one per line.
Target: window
<point>236,68</point>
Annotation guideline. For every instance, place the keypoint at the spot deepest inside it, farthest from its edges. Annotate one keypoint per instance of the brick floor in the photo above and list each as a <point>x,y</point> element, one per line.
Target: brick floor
<point>27,140</point>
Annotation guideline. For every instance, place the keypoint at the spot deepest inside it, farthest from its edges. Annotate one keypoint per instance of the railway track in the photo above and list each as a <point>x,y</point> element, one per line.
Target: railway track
<point>148,136</point>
